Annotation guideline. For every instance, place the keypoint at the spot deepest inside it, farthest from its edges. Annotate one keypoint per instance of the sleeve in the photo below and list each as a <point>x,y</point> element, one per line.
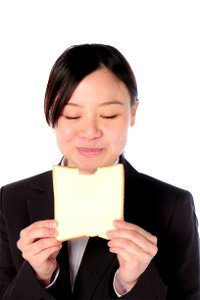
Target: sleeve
<point>53,280</point>
<point>183,250</point>
<point>181,278</point>
<point>17,280</point>
<point>114,286</point>
<point>149,286</point>
<point>181,255</point>
<point>25,286</point>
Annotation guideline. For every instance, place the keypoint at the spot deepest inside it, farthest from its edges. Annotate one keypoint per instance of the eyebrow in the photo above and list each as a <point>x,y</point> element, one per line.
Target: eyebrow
<point>111,103</point>
<point>106,103</point>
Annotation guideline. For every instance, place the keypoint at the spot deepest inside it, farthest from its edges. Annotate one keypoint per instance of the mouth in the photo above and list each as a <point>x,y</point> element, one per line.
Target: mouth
<point>89,152</point>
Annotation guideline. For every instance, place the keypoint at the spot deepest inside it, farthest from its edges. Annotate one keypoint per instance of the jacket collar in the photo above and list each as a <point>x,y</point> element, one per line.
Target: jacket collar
<point>40,201</point>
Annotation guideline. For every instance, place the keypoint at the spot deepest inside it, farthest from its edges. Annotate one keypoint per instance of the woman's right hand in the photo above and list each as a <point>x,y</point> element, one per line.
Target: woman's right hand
<point>39,247</point>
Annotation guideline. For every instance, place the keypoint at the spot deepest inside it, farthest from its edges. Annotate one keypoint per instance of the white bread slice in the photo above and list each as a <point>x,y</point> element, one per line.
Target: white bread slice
<point>86,205</point>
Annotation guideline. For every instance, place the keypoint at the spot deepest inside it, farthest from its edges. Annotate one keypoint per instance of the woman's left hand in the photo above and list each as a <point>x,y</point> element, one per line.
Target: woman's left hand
<point>135,249</point>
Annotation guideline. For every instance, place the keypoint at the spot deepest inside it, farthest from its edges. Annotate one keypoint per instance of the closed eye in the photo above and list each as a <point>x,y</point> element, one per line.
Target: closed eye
<point>109,117</point>
<point>72,118</point>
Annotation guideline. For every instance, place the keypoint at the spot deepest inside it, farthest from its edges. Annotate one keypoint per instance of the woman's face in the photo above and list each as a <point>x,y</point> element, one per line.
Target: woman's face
<point>92,130</point>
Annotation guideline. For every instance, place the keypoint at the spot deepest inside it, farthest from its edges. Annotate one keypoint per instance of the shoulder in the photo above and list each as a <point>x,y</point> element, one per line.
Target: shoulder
<point>158,186</point>
<point>155,195</point>
<point>150,184</point>
<point>39,181</point>
<point>157,205</point>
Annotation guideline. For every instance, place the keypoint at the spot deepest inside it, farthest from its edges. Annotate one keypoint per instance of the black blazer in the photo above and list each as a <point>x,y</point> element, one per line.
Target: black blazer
<point>162,209</point>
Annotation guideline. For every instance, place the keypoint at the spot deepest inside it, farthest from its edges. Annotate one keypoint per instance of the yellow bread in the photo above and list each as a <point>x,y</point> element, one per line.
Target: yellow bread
<point>86,205</point>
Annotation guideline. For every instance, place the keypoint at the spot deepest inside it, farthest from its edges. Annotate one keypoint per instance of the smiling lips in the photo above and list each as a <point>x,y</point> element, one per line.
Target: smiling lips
<point>90,152</point>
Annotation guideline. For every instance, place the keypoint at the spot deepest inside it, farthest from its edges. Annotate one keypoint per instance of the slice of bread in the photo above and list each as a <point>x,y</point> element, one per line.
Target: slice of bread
<point>86,205</point>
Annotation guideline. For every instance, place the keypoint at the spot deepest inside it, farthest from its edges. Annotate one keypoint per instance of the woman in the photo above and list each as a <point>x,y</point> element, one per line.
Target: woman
<point>91,101</point>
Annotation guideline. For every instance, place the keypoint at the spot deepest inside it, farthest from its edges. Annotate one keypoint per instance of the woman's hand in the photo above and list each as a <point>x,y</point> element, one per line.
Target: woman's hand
<point>39,247</point>
<point>135,248</point>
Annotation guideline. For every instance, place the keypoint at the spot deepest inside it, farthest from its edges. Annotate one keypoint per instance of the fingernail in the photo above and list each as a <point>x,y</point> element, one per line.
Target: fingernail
<point>52,224</point>
<point>110,233</point>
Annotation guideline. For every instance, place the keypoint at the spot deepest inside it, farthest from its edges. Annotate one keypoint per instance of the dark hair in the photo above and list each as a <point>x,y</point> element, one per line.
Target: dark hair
<point>73,65</point>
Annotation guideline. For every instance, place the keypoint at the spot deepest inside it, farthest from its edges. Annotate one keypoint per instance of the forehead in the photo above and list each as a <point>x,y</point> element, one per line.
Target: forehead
<point>100,85</point>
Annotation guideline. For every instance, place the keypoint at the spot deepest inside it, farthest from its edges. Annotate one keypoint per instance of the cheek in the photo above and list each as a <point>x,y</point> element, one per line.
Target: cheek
<point>64,134</point>
<point>118,135</point>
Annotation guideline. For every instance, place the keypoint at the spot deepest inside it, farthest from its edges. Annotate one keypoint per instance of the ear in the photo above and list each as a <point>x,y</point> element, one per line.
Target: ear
<point>134,108</point>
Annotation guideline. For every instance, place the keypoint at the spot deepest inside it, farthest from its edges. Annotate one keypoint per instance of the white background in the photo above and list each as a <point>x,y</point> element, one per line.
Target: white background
<point>159,38</point>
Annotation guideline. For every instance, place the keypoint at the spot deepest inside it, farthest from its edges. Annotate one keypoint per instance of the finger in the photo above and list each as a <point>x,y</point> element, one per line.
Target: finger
<point>127,237</point>
<point>55,254</point>
<point>30,234</point>
<point>120,224</point>
<point>44,223</point>
<point>40,245</point>
<point>39,260</point>
<point>36,250</point>
<point>40,224</point>
<point>130,226</point>
<point>116,245</point>
<point>131,260</point>
<point>132,247</point>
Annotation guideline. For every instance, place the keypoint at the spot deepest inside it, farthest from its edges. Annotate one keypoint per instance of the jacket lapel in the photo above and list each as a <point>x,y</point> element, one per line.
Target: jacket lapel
<point>40,201</point>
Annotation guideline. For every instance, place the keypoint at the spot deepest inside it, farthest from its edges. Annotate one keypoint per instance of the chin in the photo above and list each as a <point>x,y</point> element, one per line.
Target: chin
<point>89,169</point>
<point>90,165</point>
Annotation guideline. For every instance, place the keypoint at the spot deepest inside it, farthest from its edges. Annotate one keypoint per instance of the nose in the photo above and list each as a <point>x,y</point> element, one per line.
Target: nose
<point>90,129</point>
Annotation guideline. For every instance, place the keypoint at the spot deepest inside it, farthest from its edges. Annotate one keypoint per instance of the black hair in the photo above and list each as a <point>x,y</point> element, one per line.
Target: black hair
<point>75,63</point>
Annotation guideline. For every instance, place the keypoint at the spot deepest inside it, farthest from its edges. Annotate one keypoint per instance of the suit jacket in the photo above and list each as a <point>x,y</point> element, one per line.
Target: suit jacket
<point>162,209</point>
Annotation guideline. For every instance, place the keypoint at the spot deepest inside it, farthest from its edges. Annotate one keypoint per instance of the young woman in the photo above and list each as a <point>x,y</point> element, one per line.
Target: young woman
<point>91,101</point>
